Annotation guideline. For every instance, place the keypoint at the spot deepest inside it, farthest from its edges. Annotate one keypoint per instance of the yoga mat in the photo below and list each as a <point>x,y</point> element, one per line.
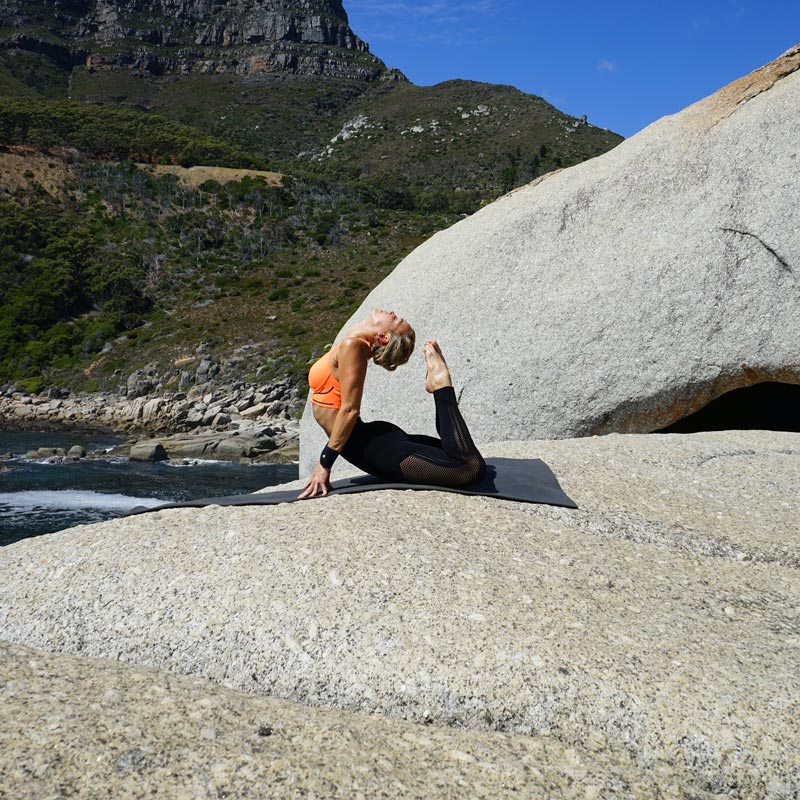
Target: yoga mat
<point>527,480</point>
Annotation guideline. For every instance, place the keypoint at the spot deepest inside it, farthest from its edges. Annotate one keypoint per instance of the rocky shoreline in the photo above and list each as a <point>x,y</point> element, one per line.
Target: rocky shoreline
<point>238,422</point>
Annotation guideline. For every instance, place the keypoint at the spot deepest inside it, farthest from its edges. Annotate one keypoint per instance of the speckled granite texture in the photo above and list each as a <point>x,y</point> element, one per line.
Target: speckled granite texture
<point>74,727</point>
<point>659,623</point>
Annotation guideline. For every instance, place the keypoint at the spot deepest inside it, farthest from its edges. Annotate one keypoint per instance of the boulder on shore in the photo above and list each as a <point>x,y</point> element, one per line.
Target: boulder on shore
<point>148,451</point>
<point>657,625</point>
<point>254,443</point>
<point>621,294</point>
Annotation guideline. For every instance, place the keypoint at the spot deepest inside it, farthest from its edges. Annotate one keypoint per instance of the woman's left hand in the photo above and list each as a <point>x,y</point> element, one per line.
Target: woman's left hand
<point>320,481</point>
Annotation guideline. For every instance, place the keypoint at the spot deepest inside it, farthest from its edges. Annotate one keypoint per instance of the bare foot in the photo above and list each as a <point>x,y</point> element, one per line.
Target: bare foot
<point>438,375</point>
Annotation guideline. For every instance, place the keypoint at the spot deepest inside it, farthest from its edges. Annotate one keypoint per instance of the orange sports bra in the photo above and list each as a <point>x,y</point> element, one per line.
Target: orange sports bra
<point>326,392</point>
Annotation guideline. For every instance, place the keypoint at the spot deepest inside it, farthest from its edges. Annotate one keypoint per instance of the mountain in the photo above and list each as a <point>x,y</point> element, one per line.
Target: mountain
<point>179,37</point>
<point>370,165</point>
<point>268,65</point>
<point>281,78</point>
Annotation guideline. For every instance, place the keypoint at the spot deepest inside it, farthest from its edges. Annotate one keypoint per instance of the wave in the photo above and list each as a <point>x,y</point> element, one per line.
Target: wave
<point>197,462</point>
<point>70,500</point>
<point>45,462</point>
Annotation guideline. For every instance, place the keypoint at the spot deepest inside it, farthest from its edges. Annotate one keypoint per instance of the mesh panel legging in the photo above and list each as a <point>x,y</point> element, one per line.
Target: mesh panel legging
<point>383,449</point>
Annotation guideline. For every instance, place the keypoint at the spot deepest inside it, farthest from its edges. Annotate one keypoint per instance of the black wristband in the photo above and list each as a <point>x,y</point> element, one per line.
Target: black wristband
<point>327,457</point>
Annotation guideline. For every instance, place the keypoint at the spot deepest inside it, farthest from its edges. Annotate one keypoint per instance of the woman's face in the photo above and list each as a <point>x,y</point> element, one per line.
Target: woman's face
<point>388,321</point>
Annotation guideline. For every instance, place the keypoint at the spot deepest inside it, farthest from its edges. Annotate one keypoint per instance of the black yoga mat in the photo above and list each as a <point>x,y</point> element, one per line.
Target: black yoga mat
<point>528,480</point>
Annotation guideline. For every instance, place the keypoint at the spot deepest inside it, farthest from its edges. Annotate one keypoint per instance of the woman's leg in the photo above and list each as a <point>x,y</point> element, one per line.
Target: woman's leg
<point>450,425</point>
<point>385,450</point>
<point>456,461</point>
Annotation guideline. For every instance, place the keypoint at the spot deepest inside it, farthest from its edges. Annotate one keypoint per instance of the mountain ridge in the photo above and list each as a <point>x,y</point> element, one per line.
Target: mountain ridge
<point>179,37</point>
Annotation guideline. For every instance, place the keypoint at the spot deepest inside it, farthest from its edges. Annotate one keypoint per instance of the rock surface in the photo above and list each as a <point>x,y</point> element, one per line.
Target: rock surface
<point>307,37</point>
<point>277,442</point>
<point>659,622</point>
<point>148,451</point>
<point>621,294</point>
<point>146,731</point>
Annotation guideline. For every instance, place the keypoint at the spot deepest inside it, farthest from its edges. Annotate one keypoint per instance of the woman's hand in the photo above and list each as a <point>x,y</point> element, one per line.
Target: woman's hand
<point>320,481</point>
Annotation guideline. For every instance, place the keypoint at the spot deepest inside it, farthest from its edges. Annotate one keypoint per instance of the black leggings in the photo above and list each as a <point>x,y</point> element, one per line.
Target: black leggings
<point>382,449</point>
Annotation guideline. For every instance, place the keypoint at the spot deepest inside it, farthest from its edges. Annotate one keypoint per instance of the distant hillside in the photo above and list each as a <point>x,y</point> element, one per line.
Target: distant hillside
<point>458,135</point>
<point>274,71</point>
<point>114,133</point>
<point>106,267</point>
<point>281,78</point>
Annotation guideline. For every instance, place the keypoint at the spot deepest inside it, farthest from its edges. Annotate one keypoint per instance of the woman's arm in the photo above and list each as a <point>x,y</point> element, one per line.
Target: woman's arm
<point>353,358</point>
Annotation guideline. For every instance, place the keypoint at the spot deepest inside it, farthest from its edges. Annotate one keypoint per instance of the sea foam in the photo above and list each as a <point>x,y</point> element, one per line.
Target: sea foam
<point>70,500</point>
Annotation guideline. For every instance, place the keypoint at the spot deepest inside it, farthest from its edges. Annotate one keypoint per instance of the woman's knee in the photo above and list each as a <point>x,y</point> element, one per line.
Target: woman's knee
<point>476,468</point>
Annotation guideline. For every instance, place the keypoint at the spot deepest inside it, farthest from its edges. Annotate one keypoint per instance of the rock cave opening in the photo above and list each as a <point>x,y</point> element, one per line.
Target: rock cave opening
<point>770,406</point>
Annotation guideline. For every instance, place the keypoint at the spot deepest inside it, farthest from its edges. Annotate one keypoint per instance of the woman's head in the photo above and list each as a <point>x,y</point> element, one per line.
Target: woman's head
<point>394,339</point>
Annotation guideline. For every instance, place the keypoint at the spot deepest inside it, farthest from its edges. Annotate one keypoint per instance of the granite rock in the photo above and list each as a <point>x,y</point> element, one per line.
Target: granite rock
<point>148,451</point>
<point>160,413</point>
<point>657,623</point>
<point>147,731</point>
<point>251,442</point>
<point>621,294</point>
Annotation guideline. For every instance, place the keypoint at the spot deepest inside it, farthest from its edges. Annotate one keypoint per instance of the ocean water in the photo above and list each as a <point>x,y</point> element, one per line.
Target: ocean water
<point>37,498</point>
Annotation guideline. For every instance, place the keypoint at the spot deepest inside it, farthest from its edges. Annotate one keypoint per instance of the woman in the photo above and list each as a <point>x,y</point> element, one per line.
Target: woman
<point>381,448</point>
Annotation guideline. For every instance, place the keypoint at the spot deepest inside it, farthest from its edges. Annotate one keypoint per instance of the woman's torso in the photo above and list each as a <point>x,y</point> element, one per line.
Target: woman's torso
<point>326,391</point>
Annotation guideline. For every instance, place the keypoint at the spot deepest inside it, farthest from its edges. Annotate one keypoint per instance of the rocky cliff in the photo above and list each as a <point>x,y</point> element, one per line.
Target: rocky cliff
<point>246,37</point>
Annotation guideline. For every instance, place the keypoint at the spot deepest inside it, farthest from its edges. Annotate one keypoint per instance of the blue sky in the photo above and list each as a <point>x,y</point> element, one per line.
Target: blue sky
<point>623,64</point>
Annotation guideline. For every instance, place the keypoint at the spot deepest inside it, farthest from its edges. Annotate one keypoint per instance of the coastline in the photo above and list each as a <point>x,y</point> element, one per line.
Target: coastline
<point>243,422</point>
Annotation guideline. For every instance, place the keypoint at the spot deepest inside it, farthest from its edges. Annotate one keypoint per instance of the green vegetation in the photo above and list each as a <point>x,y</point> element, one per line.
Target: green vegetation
<point>62,294</point>
<point>463,136</point>
<point>128,269</point>
<point>107,132</point>
<point>273,119</point>
<point>28,75</point>
<point>481,138</point>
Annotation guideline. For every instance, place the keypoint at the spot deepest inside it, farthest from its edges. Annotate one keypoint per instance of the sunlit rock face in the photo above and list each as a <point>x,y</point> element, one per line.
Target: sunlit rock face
<point>245,37</point>
<point>622,294</point>
<point>205,22</point>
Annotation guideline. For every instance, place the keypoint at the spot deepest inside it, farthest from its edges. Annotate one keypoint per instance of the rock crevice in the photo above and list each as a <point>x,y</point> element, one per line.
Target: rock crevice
<point>769,249</point>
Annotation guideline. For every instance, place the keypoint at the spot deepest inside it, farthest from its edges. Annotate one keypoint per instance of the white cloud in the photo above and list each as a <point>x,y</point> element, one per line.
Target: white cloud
<point>738,8</point>
<point>607,66</point>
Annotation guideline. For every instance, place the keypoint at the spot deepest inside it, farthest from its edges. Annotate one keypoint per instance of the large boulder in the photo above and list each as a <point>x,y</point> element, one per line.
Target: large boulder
<point>658,623</point>
<point>150,450</point>
<point>621,294</point>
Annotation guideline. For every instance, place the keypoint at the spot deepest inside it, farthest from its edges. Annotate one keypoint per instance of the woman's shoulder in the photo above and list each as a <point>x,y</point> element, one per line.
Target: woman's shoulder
<point>354,344</point>
<point>351,350</point>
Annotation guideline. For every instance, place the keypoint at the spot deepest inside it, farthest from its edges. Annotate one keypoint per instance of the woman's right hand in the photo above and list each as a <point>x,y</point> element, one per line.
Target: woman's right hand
<point>320,481</point>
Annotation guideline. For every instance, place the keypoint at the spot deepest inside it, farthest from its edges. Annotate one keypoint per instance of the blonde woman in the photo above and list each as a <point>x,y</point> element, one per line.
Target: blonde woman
<point>380,448</point>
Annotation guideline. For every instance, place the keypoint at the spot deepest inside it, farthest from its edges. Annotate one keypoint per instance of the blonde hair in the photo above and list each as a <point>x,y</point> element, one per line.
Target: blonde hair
<point>396,351</point>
